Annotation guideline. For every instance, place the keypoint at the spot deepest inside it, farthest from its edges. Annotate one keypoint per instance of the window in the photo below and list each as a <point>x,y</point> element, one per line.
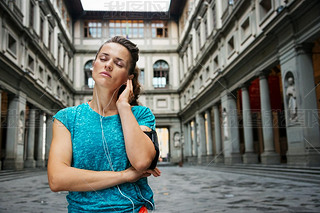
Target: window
<point>141,77</point>
<point>92,29</point>
<point>216,63</point>
<point>205,26</point>
<point>12,44</point>
<point>58,56</point>
<point>58,3</point>
<point>207,72</point>
<point>41,28</point>
<point>160,74</point>
<point>127,28</point>
<point>68,21</point>
<point>214,17</point>
<point>159,29</point>
<point>41,73</point>
<point>265,7</point>
<point>199,38</point>
<point>245,29</point>
<point>63,13</point>
<point>50,39</point>
<point>31,15</point>
<point>191,53</point>
<point>230,46</point>
<point>30,63</point>
<point>49,81</point>
<point>58,91</point>
<point>89,82</point>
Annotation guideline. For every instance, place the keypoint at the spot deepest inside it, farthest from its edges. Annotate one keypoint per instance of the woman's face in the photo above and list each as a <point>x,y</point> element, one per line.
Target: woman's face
<point>111,67</point>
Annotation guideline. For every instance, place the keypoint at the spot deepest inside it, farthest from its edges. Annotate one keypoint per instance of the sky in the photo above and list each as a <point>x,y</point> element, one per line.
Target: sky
<point>126,5</point>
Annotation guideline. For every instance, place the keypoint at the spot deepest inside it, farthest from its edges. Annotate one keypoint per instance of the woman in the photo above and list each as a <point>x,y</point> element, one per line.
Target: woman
<point>99,151</point>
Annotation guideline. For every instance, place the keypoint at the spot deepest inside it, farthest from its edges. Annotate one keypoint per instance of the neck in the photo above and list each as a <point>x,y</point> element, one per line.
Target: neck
<point>104,101</point>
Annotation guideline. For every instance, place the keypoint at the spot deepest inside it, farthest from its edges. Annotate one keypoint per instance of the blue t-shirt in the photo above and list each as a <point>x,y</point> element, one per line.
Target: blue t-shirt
<point>91,152</point>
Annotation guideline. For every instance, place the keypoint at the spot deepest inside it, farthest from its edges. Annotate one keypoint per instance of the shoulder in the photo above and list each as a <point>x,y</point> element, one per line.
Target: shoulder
<point>144,116</point>
<point>70,110</point>
<point>141,110</point>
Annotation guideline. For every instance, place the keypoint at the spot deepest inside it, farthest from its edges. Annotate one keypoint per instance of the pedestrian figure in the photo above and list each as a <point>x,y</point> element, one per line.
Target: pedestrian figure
<point>103,151</point>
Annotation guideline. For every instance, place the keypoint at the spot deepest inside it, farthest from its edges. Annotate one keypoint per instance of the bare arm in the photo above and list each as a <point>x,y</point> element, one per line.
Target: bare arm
<point>63,177</point>
<point>139,147</point>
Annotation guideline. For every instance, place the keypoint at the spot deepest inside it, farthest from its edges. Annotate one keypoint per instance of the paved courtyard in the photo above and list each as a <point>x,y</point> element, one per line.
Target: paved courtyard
<point>181,189</point>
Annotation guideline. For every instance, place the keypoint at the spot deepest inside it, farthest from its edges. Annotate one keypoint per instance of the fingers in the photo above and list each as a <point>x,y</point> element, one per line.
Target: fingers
<point>155,172</point>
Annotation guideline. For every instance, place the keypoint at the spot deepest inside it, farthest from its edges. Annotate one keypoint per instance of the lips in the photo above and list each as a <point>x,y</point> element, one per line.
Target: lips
<point>105,74</point>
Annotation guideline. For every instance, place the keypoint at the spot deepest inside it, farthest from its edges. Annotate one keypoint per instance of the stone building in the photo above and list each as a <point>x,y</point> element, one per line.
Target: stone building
<point>230,81</point>
<point>249,76</point>
<point>36,69</point>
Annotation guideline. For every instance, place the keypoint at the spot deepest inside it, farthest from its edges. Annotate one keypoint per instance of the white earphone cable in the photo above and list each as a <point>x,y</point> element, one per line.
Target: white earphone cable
<point>107,153</point>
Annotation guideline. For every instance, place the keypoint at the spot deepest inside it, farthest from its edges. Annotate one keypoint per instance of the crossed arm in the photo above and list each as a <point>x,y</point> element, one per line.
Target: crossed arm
<point>63,177</point>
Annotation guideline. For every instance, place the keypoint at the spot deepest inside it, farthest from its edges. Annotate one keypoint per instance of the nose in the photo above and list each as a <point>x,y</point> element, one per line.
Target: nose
<point>108,65</point>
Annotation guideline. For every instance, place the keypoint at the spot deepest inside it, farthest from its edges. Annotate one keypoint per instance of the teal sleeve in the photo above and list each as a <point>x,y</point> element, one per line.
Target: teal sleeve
<point>62,116</point>
<point>145,117</point>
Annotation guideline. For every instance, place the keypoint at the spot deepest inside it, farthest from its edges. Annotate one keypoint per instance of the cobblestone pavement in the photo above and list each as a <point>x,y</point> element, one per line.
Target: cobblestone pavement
<point>180,189</point>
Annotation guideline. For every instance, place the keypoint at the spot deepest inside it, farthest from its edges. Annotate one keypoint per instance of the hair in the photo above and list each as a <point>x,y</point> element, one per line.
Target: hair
<point>133,69</point>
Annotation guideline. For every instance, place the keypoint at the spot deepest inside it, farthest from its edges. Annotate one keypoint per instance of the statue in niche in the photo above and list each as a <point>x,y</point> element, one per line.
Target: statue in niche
<point>176,139</point>
<point>225,124</point>
<point>292,100</point>
<point>21,128</point>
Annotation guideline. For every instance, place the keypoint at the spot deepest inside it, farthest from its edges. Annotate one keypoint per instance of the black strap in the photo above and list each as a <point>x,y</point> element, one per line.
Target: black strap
<point>154,138</point>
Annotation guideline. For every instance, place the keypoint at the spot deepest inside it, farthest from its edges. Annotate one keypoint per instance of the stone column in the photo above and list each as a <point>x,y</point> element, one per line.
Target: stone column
<point>217,134</point>
<point>0,128</point>
<point>48,136</point>
<point>231,144</point>
<point>41,141</point>
<point>189,143</point>
<point>303,133</point>
<point>186,140</point>
<point>269,156</point>
<point>30,162</point>
<point>210,142</point>
<point>210,20</point>
<point>15,132</point>
<point>249,156</point>
<point>202,152</point>
<point>195,142</point>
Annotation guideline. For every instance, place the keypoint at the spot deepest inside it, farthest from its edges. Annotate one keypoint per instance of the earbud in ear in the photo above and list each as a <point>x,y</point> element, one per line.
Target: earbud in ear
<point>130,77</point>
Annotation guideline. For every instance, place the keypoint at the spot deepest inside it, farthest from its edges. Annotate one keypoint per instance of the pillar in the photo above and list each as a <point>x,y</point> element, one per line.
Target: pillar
<point>186,142</point>
<point>195,140</point>
<point>217,134</point>
<point>0,128</point>
<point>48,136</point>
<point>15,132</point>
<point>230,136</point>
<point>202,152</point>
<point>249,156</point>
<point>269,156</point>
<point>41,142</point>
<point>210,19</point>
<point>303,134</point>
<point>30,162</point>
<point>209,127</point>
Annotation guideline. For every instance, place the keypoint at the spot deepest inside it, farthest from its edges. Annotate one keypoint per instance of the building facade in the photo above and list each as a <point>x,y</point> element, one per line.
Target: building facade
<point>249,77</point>
<point>230,81</point>
<point>36,69</point>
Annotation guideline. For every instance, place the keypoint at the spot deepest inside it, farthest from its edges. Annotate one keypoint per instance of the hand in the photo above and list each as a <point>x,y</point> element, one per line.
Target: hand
<point>132,175</point>
<point>127,95</point>
<point>155,172</point>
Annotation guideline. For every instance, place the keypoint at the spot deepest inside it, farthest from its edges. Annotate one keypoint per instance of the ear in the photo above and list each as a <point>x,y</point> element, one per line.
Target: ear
<point>130,77</point>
